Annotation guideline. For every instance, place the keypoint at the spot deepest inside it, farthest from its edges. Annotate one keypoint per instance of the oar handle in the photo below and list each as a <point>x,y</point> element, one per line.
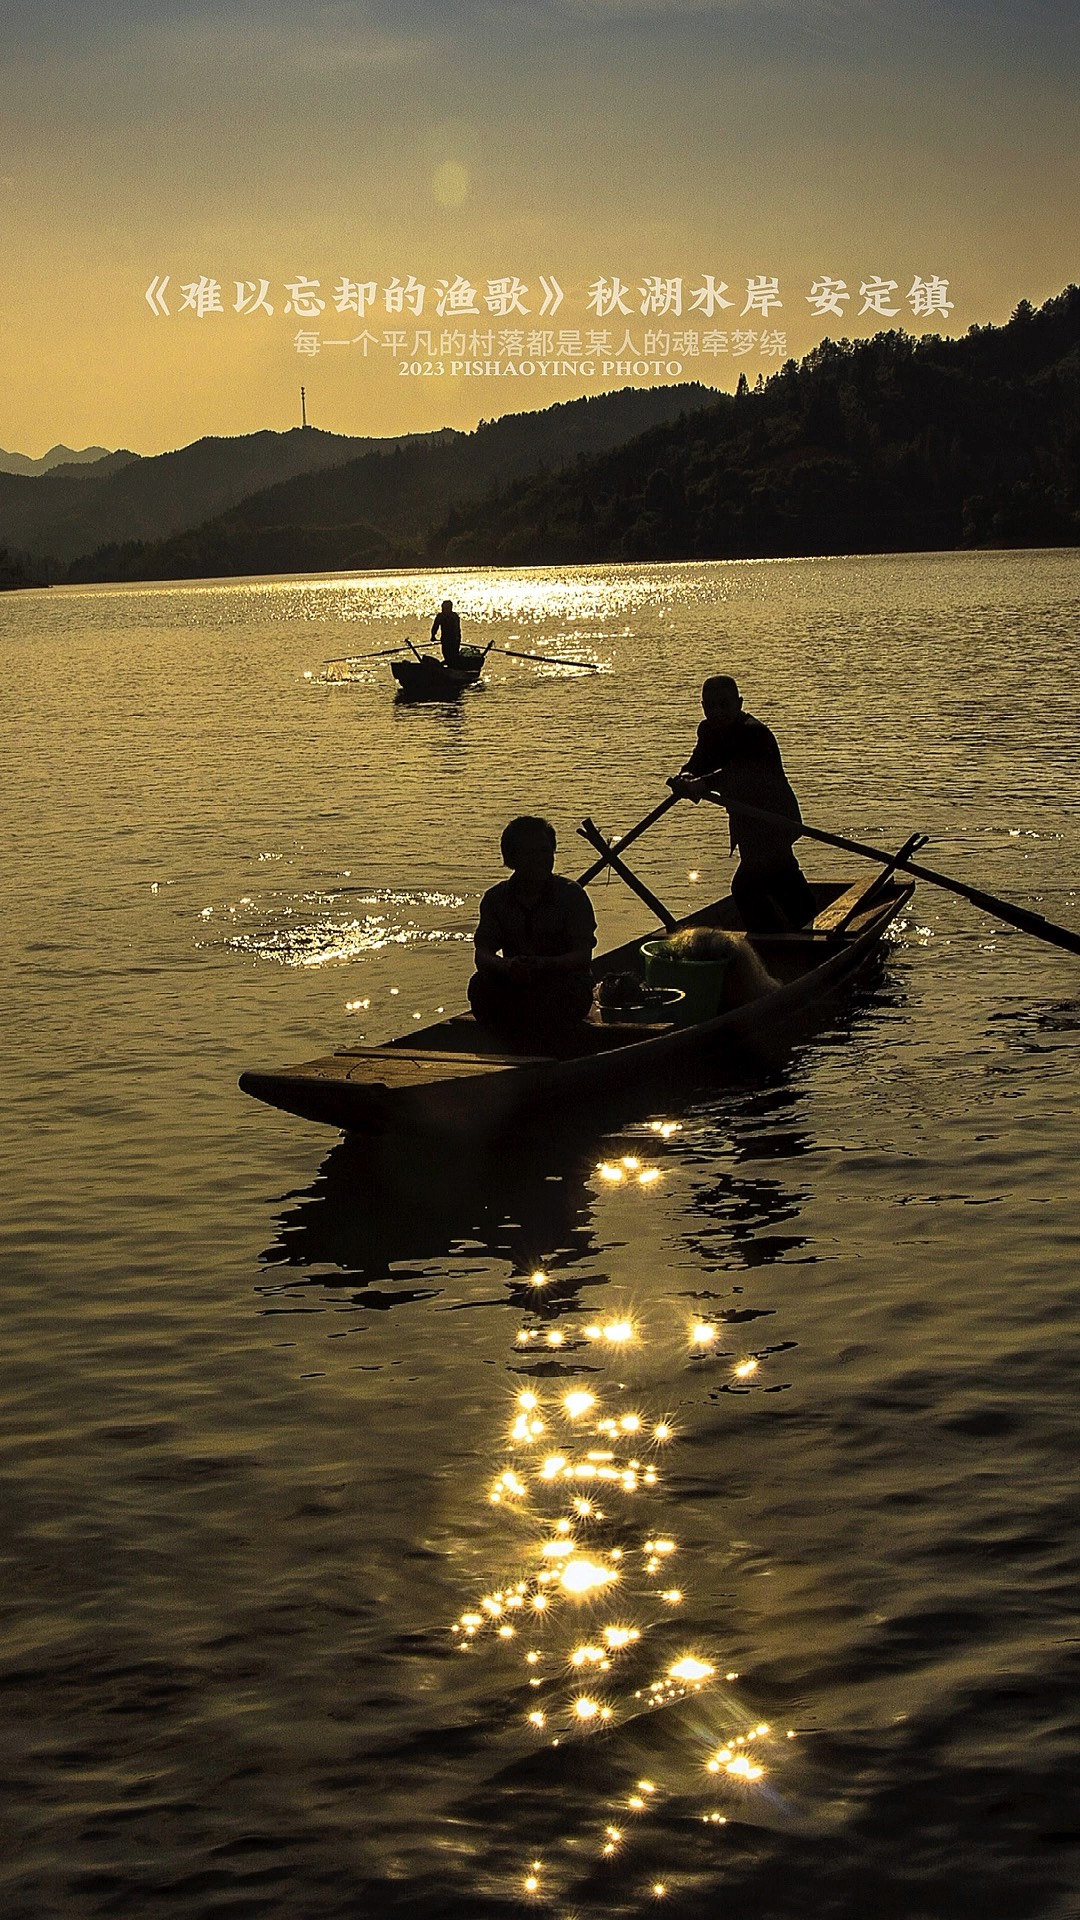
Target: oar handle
<point>632,834</point>
<point>590,831</point>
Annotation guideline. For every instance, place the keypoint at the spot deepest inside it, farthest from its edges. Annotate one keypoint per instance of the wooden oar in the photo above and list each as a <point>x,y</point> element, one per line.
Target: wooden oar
<point>1022,917</point>
<point>624,840</point>
<point>550,660</point>
<point>609,858</point>
<point>357,659</point>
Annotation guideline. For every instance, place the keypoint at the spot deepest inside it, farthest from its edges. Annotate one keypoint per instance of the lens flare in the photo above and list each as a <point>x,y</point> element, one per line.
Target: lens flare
<point>585,1576</point>
<point>618,1332</point>
<point>691,1669</point>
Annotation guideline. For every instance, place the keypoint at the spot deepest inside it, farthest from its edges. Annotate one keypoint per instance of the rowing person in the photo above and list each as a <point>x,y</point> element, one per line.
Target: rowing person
<point>737,757</point>
<point>446,627</point>
<point>534,941</point>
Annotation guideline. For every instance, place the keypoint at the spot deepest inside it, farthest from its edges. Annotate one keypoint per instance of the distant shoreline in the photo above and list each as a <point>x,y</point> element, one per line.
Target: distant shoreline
<point>890,444</point>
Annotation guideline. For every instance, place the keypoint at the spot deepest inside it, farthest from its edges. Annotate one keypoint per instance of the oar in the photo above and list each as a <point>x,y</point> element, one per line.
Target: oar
<point>608,857</point>
<point>1022,917</point>
<point>632,833</point>
<point>550,660</point>
<point>356,659</point>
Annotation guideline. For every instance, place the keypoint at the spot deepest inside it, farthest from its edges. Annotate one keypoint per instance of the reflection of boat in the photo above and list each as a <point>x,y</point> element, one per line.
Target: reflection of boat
<point>456,1076</point>
<point>427,678</point>
<point>377,1228</point>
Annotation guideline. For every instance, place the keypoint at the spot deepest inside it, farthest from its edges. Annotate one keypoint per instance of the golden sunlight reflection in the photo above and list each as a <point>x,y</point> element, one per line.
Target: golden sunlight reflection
<point>617,1333</point>
<point>690,1668</point>
<point>630,1169</point>
<point>590,1613</point>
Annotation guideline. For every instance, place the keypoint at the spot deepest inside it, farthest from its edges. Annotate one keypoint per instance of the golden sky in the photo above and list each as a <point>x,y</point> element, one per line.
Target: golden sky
<point>672,148</point>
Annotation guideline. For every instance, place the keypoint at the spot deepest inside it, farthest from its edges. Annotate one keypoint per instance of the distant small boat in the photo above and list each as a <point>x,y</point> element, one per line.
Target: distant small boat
<point>427,678</point>
<point>456,1077</point>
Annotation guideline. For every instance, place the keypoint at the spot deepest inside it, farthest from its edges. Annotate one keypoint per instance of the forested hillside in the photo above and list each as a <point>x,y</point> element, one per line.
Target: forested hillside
<point>371,510</point>
<point>70,510</point>
<point>867,446</point>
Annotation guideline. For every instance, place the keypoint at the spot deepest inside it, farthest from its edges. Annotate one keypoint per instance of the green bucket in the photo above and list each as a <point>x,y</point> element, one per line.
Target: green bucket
<point>701,981</point>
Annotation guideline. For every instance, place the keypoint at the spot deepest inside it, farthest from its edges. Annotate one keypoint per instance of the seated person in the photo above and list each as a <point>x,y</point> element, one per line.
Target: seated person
<point>534,941</point>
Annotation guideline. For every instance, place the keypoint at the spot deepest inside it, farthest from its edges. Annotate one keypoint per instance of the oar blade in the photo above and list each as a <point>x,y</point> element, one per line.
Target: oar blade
<point>553,660</point>
<point>360,659</point>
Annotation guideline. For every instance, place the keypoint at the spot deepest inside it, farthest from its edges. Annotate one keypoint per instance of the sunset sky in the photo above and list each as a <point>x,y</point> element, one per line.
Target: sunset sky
<point>667,140</point>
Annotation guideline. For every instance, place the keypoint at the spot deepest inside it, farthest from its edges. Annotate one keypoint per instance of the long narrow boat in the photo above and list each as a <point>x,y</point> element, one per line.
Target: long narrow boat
<point>427,678</point>
<point>455,1077</point>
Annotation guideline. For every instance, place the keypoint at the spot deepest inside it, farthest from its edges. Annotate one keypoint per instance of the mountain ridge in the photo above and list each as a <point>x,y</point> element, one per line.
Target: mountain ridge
<point>368,510</point>
<point>58,456</point>
<point>149,497</point>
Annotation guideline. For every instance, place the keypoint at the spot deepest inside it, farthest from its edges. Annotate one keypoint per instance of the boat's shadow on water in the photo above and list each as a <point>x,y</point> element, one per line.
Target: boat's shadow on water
<point>378,1203</point>
<point>383,1211</point>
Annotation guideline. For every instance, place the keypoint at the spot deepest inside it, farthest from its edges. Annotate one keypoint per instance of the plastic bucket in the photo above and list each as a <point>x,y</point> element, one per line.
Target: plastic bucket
<point>701,981</point>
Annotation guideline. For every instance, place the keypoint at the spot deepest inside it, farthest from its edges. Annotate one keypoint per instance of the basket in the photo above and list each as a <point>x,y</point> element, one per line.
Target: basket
<point>657,1003</point>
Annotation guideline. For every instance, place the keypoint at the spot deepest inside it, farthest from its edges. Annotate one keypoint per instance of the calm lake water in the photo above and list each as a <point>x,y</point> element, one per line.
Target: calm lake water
<point>271,1641</point>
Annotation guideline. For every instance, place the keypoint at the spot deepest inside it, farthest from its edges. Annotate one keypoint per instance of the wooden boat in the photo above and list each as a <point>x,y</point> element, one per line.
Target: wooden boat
<point>456,1077</point>
<point>428,678</point>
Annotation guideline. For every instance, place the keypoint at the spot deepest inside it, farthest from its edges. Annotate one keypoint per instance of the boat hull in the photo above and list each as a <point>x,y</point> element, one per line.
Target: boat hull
<point>431,679</point>
<point>452,1078</point>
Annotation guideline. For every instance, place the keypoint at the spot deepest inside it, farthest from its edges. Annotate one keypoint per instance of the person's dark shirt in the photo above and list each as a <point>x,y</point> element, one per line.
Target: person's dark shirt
<point>745,758</point>
<point>561,921</point>
<point>448,627</point>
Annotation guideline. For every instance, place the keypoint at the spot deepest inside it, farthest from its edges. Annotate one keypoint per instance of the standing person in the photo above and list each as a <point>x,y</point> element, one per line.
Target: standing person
<point>447,626</point>
<point>534,941</point>
<point>738,758</point>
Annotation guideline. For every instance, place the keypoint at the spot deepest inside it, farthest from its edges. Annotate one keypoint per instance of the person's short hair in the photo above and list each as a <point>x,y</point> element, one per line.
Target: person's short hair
<point>447,603</point>
<point>719,683</point>
<point>526,826</point>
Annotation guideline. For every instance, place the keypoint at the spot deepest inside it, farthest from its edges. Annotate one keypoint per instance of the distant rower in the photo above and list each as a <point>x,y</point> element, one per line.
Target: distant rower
<point>737,757</point>
<point>447,627</point>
